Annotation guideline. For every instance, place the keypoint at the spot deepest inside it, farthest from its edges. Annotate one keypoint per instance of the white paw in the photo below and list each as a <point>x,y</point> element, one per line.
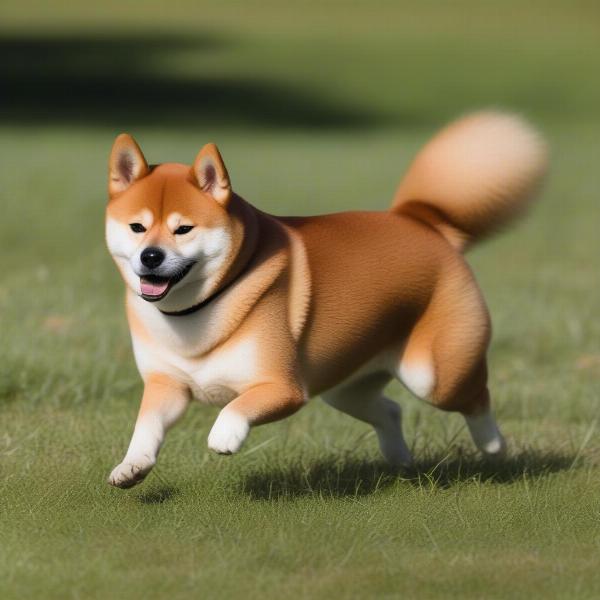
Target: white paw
<point>486,435</point>
<point>228,433</point>
<point>130,473</point>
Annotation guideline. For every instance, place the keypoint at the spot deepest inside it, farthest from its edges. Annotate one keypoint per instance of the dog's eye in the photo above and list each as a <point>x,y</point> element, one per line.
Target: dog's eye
<point>137,227</point>
<point>183,229</point>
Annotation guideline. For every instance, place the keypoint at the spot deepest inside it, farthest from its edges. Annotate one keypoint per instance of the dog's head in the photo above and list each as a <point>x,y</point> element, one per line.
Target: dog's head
<point>171,228</point>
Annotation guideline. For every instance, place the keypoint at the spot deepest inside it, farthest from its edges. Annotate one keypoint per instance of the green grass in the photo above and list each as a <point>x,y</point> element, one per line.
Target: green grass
<point>306,510</point>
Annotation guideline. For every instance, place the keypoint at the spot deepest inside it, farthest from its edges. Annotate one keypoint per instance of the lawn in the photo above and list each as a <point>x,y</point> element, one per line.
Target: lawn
<point>316,107</point>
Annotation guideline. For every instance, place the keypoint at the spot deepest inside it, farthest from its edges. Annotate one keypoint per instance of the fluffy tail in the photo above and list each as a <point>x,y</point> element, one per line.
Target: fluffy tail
<point>474,176</point>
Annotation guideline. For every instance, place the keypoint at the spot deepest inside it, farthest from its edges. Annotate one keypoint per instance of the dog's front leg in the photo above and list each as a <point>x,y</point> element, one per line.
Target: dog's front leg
<point>163,403</point>
<point>261,404</point>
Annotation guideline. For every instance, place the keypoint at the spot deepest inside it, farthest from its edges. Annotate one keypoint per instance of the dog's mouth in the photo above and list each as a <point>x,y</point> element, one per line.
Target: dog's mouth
<point>156,287</point>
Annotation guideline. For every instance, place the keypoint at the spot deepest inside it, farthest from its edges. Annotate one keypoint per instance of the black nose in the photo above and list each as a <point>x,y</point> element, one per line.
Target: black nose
<point>152,257</point>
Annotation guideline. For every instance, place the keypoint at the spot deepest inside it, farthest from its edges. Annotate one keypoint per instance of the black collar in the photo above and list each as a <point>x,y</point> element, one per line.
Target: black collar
<point>192,309</point>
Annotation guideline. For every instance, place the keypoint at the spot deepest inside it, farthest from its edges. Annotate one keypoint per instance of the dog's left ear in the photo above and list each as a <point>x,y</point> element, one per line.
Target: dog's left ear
<point>211,175</point>
<point>126,164</point>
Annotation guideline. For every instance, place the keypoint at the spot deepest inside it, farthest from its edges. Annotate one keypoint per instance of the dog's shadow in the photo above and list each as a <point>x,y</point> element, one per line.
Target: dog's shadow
<point>339,477</point>
<point>334,477</point>
<point>158,495</point>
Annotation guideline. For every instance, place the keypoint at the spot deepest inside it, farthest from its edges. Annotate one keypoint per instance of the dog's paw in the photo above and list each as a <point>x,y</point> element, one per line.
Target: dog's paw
<point>130,473</point>
<point>486,435</point>
<point>228,433</point>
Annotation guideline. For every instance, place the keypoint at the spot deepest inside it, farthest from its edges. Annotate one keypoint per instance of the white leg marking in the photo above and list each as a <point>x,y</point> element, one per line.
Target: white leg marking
<point>418,378</point>
<point>141,456</point>
<point>148,435</point>
<point>229,432</point>
<point>485,433</point>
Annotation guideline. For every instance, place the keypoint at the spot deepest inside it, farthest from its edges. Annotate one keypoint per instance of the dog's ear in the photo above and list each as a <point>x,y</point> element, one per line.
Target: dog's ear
<point>211,175</point>
<point>126,164</point>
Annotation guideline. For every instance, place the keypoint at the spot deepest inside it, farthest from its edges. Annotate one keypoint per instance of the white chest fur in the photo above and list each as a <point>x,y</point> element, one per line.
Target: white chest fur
<point>215,378</point>
<point>215,372</point>
<point>225,373</point>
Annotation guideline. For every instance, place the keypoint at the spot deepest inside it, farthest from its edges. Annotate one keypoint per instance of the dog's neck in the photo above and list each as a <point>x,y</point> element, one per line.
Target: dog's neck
<point>249,223</point>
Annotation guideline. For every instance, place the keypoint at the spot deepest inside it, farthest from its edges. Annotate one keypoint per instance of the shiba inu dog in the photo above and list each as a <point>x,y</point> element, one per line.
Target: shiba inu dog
<point>257,313</point>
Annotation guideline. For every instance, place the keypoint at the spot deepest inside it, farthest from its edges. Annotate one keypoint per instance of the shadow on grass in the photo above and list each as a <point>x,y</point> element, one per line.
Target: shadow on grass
<point>132,80</point>
<point>157,495</point>
<point>338,478</point>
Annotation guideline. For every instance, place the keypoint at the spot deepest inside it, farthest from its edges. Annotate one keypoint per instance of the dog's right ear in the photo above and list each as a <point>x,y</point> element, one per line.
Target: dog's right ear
<point>126,164</point>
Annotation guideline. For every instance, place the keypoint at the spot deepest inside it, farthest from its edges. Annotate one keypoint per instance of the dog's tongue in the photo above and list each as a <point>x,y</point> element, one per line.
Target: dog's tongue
<point>152,288</point>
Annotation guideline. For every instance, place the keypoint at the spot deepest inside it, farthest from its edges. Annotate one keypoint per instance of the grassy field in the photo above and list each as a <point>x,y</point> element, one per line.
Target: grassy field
<point>316,107</point>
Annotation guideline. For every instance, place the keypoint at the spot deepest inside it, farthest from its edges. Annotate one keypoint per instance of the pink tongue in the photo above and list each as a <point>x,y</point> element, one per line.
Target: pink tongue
<point>151,288</point>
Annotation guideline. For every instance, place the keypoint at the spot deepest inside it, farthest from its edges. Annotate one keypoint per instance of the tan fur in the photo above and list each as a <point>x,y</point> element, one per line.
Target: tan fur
<point>474,176</point>
<point>305,304</point>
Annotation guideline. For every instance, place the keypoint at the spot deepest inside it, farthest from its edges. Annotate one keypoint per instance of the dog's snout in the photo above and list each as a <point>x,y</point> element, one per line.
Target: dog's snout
<point>152,257</point>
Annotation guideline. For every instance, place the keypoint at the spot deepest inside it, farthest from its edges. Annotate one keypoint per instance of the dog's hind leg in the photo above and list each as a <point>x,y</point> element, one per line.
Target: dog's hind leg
<point>363,399</point>
<point>443,362</point>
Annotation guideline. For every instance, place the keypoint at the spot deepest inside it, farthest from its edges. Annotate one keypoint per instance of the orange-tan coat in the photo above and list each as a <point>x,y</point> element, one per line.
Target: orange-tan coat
<point>258,313</point>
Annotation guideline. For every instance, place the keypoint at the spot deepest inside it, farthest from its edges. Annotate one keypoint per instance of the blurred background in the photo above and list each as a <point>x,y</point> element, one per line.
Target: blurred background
<point>317,106</point>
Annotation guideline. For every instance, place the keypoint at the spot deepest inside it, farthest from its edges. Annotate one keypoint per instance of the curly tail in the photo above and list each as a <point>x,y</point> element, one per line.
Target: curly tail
<point>474,176</point>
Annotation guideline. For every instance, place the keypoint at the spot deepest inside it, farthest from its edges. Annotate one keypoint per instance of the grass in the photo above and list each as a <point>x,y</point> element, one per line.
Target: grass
<point>316,108</point>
